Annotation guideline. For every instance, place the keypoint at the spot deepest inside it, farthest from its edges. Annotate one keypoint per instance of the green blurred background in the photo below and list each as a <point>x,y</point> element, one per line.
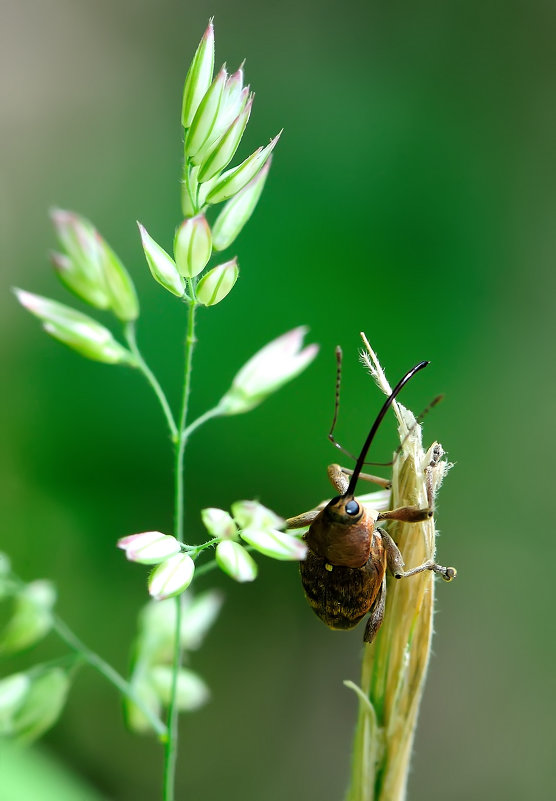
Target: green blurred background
<point>412,197</point>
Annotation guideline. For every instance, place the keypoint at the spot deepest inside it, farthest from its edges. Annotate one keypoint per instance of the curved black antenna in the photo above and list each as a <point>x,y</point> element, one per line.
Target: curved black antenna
<point>374,428</point>
<point>418,421</point>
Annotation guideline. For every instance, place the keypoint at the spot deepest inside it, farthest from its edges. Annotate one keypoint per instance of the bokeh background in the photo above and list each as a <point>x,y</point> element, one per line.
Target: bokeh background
<point>412,196</point>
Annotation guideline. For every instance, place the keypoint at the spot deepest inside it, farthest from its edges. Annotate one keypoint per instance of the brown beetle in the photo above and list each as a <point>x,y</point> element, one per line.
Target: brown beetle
<point>344,574</point>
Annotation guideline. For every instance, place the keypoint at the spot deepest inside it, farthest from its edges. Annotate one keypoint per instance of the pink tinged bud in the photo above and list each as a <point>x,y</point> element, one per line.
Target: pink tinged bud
<point>201,133</point>
<point>217,283</point>
<point>76,330</point>
<point>76,282</point>
<point>238,210</point>
<point>171,577</point>
<point>275,544</point>
<point>193,246</point>
<point>80,268</point>
<point>198,76</point>
<point>191,690</point>
<point>234,99</point>
<point>218,523</point>
<point>268,370</point>
<point>90,268</point>
<point>224,150</point>
<point>234,560</point>
<point>161,265</point>
<point>232,181</point>
<point>149,547</point>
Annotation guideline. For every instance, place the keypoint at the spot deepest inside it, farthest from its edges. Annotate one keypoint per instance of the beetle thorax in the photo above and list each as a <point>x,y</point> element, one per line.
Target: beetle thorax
<point>342,539</point>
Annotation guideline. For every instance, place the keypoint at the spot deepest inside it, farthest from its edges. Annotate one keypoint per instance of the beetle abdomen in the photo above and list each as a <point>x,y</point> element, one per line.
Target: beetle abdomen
<point>342,596</point>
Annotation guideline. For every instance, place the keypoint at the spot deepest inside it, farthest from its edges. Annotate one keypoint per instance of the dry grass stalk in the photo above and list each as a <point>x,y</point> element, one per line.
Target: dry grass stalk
<point>395,664</point>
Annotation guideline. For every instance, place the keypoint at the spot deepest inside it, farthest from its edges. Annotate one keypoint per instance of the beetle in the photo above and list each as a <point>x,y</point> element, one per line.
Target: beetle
<point>344,573</point>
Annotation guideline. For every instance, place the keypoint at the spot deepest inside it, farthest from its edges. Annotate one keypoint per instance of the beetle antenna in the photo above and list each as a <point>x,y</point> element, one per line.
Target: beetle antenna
<point>331,436</point>
<point>418,421</point>
<point>374,428</point>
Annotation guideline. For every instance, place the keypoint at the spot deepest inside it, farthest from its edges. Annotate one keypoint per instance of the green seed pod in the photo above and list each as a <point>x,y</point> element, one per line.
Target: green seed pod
<point>238,210</point>
<point>224,150</point>
<point>217,283</point>
<point>198,76</point>
<point>218,523</point>
<point>161,265</point>
<point>192,246</point>
<point>201,134</point>
<point>171,577</point>
<point>233,181</point>
<point>268,370</point>
<point>42,705</point>
<point>275,544</point>
<point>79,268</point>
<point>120,287</point>
<point>76,330</point>
<point>31,619</point>
<point>234,560</point>
<point>89,267</point>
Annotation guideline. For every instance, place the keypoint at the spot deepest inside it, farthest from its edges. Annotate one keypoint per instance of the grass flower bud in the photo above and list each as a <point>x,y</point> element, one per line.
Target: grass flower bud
<point>192,246</point>
<point>201,134</point>
<point>217,283</point>
<point>238,210</point>
<point>253,514</point>
<point>121,290</point>
<point>218,523</point>
<point>268,370</point>
<point>161,265</point>
<point>171,577</point>
<point>79,268</point>
<point>234,560</point>
<point>13,690</point>
<point>224,150</point>
<point>135,717</point>
<point>198,614</point>
<point>198,76</point>
<point>233,100</point>
<point>232,181</point>
<point>31,619</point>
<point>90,268</point>
<point>192,692</point>
<point>275,544</point>
<point>149,547</point>
<point>76,330</point>
<point>42,705</point>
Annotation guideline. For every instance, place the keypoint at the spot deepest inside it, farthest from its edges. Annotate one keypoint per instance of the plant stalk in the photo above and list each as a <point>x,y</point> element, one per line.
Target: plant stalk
<point>395,664</point>
<point>151,378</point>
<point>171,745</point>
<point>109,673</point>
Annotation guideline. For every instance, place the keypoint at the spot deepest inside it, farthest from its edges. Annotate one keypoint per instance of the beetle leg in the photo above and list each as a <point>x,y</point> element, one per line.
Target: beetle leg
<point>396,564</point>
<point>382,482</point>
<point>407,514</point>
<point>377,613</point>
<point>302,520</point>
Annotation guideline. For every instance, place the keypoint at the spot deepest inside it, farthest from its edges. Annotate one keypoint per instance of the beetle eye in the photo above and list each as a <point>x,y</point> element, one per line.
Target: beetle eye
<point>352,508</point>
